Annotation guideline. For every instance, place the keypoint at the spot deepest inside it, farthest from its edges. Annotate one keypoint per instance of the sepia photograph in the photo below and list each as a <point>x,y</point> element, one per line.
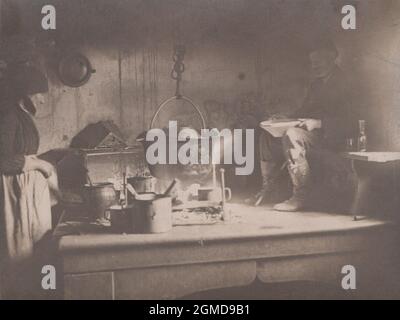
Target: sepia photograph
<point>224,151</point>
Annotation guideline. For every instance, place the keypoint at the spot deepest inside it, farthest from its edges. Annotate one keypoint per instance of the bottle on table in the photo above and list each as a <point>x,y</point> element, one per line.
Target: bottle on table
<point>362,136</point>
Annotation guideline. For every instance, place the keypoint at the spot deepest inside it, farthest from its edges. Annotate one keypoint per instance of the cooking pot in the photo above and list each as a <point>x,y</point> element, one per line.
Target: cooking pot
<point>99,197</point>
<point>143,184</point>
<point>195,173</point>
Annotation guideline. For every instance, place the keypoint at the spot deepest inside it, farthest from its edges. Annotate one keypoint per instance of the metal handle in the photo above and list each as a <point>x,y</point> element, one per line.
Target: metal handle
<point>203,121</point>
<point>228,197</point>
<point>223,188</point>
<point>170,188</point>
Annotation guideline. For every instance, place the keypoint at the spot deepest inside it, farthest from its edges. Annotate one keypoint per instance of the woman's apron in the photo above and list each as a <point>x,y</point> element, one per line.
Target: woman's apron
<point>25,214</point>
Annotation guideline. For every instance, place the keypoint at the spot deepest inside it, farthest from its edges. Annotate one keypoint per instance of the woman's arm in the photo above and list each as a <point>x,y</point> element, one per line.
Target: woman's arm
<point>10,162</point>
<point>33,163</point>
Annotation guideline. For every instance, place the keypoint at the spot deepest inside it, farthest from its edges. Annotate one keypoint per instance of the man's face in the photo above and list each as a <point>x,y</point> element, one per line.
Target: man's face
<point>322,63</point>
<point>38,99</point>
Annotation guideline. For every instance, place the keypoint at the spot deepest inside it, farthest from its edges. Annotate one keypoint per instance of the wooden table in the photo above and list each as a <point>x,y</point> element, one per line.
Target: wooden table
<point>366,165</point>
<point>257,243</point>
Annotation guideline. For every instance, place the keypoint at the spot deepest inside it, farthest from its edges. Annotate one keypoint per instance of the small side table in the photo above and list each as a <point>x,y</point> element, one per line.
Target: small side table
<point>361,162</point>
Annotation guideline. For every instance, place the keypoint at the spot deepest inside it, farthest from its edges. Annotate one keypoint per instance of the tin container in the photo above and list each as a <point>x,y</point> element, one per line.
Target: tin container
<point>152,214</point>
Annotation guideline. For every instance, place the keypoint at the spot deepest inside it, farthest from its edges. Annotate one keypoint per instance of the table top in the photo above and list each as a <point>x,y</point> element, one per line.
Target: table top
<point>373,156</point>
<point>246,223</point>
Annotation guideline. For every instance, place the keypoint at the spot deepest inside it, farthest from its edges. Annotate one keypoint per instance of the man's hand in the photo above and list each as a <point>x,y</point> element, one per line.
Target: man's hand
<point>278,116</point>
<point>310,124</point>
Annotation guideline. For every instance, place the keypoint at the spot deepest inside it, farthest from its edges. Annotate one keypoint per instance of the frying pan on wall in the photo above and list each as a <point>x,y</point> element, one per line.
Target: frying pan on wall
<point>75,70</point>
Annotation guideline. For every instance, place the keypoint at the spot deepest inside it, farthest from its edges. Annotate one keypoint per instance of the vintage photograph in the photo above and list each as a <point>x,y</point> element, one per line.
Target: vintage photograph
<point>199,150</point>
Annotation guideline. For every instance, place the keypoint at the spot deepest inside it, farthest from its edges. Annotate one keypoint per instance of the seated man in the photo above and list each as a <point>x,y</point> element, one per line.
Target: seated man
<point>329,120</point>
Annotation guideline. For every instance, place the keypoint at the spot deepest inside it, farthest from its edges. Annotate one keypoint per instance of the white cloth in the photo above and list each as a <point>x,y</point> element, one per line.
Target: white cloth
<point>25,214</point>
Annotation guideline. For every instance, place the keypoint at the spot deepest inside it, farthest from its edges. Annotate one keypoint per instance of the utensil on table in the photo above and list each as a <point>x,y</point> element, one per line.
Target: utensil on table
<point>132,190</point>
<point>124,193</point>
<point>225,213</point>
<point>214,173</point>
<point>167,192</point>
<point>214,194</point>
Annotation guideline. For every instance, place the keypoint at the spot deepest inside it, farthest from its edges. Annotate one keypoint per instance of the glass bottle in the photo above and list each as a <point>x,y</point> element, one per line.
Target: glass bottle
<point>362,137</point>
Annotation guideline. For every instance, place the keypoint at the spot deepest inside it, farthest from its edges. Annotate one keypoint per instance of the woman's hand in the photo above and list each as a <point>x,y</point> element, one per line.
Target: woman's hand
<point>310,124</point>
<point>33,163</point>
<point>46,168</point>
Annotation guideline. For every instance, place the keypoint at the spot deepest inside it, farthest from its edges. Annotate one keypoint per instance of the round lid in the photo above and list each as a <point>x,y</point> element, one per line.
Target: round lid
<point>75,70</point>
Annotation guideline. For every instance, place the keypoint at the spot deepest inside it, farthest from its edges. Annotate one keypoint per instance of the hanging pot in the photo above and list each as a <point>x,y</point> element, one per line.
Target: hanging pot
<point>195,172</point>
<point>75,70</point>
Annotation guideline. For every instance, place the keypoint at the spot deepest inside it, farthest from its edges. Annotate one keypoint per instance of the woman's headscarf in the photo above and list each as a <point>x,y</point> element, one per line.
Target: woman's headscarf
<point>21,81</point>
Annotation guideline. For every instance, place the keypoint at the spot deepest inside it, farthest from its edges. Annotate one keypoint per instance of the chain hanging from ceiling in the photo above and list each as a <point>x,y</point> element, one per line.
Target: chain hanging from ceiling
<point>179,67</point>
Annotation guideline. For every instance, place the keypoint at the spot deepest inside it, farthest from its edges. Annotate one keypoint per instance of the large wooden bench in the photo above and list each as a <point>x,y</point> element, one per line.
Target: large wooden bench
<point>257,243</point>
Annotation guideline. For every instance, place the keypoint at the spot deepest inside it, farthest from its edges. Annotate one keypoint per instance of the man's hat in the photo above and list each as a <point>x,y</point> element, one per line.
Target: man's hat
<point>323,44</point>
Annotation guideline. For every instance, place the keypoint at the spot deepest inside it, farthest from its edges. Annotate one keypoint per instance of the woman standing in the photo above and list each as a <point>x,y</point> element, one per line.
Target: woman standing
<point>25,210</point>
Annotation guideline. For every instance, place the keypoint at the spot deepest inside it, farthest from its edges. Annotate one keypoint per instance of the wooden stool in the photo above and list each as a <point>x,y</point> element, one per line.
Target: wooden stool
<point>361,162</point>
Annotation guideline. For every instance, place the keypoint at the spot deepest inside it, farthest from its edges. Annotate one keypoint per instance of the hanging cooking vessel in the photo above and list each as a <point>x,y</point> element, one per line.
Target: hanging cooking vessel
<point>195,173</point>
<point>75,70</point>
<point>191,173</point>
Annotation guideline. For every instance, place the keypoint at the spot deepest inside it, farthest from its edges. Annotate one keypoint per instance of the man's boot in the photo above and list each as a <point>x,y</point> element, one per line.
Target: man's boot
<point>300,175</point>
<point>269,173</point>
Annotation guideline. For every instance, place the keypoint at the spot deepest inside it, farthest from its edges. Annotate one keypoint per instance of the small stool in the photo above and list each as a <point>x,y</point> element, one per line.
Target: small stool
<point>361,163</point>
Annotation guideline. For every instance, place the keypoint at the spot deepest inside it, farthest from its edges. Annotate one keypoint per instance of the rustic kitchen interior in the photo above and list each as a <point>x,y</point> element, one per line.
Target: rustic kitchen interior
<point>123,228</point>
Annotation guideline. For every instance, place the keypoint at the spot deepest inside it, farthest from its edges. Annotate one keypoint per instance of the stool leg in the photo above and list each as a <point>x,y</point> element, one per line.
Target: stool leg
<point>363,187</point>
<point>364,180</point>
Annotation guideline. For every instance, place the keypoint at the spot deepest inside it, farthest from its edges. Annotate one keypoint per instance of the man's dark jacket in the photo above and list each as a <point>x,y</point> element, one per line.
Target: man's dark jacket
<point>332,102</point>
